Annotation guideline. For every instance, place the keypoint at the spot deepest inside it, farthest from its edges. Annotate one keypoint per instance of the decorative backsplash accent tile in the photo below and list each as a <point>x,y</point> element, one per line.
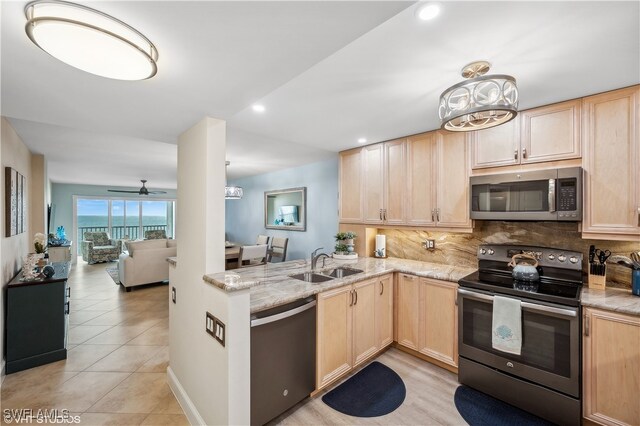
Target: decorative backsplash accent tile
<point>460,249</point>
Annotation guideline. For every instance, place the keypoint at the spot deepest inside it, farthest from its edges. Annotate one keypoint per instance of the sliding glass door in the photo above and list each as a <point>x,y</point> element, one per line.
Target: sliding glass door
<point>123,219</point>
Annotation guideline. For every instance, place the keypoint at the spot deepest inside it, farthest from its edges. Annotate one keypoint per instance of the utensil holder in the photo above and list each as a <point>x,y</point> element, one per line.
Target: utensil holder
<point>598,280</point>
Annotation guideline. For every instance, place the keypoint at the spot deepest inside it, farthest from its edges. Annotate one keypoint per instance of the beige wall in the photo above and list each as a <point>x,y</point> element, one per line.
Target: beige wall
<point>38,197</point>
<point>461,249</point>
<point>15,154</point>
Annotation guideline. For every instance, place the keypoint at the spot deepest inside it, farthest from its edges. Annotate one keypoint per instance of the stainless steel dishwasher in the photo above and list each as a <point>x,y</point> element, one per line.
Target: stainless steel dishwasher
<point>283,358</point>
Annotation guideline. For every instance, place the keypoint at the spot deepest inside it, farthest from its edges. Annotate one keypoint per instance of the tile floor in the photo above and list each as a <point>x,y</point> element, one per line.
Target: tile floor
<point>115,371</point>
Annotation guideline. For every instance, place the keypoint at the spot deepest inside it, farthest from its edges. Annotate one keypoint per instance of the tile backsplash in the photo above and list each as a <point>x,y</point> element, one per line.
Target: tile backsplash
<point>461,249</point>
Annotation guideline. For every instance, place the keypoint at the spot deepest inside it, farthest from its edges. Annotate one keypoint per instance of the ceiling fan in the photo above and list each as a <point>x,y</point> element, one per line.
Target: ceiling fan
<point>141,191</point>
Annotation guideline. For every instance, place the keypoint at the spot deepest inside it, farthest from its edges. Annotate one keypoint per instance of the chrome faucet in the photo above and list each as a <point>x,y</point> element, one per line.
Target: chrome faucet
<point>315,257</point>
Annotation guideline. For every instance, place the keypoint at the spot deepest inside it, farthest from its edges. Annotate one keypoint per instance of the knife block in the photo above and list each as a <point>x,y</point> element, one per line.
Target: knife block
<point>598,282</point>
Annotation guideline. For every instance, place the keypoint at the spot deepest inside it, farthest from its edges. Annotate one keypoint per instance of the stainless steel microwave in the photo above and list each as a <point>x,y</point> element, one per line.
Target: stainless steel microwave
<point>551,195</point>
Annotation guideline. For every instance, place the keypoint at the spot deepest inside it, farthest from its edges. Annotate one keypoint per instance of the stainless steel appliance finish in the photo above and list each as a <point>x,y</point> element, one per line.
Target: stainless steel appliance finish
<point>549,195</point>
<point>283,354</point>
<point>545,378</point>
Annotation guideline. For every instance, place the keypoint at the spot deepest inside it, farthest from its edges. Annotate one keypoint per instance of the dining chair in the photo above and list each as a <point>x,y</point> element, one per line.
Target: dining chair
<point>263,239</point>
<point>252,256</point>
<point>278,249</point>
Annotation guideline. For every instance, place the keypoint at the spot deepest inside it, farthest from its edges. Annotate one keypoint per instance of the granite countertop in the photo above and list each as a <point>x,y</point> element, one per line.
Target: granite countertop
<point>611,299</point>
<point>271,285</point>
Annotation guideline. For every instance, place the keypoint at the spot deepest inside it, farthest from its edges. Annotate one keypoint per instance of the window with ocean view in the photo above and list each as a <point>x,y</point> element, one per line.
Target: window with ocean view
<point>127,219</point>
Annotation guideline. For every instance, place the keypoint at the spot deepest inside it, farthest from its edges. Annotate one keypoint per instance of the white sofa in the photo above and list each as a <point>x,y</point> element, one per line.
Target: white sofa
<point>146,262</point>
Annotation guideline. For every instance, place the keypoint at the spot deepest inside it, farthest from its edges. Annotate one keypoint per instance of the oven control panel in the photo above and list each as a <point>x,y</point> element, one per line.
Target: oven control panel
<point>546,256</point>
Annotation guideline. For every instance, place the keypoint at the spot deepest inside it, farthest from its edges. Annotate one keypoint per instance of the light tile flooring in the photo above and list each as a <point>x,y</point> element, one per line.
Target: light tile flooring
<point>115,371</point>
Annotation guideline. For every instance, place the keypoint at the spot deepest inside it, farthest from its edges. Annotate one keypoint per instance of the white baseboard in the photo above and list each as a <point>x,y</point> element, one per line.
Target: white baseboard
<point>183,399</point>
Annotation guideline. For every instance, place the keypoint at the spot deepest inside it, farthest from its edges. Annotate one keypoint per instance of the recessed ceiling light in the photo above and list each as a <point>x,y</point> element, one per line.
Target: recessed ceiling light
<point>362,140</point>
<point>258,108</point>
<point>90,40</point>
<point>428,12</point>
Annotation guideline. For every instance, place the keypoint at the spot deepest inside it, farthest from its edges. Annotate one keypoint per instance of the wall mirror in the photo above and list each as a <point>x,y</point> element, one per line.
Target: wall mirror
<point>286,209</point>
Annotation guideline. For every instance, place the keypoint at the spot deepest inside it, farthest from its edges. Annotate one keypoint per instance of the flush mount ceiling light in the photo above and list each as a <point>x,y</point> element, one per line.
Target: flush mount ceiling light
<point>90,40</point>
<point>480,102</point>
<point>232,192</point>
<point>428,12</point>
<point>258,108</point>
<point>362,140</point>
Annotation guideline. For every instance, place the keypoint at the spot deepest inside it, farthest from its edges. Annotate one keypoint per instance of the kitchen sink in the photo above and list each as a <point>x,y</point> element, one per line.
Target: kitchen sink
<point>343,272</point>
<point>311,277</point>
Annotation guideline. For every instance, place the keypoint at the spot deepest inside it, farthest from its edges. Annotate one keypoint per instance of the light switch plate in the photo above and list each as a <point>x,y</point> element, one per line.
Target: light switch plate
<point>429,244</point>
<point>219,331</point>
<point>210,324</point>
<point>173,294</point>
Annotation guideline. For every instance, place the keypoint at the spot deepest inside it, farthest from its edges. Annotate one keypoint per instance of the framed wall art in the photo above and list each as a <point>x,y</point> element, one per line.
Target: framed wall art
<point>15,202</point>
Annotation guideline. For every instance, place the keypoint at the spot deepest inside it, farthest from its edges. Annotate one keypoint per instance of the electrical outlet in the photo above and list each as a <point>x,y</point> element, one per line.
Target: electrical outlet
<point>429,244</point>
<point>173,294</point>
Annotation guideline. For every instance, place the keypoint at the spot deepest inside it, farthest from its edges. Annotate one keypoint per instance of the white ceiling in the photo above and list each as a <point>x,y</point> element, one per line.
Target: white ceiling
<point>327,72</point>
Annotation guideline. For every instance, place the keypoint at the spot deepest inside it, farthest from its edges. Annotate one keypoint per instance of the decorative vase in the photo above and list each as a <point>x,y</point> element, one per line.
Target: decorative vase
<point>61,234</point>
<point>350,247</point>
<point>29,266</point>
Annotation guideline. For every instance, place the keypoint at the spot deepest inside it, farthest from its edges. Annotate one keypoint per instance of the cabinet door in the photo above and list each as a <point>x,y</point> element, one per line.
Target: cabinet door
<point>351,186</point>
<point>611,377</point>
<point>334,348</point>
<point>551,132</point>
<point>497,146</point>
<point>421,180</point>
<point>611,161</point>
<point>395,182</point>
<point>384,311</point>
<point>364,316</point>
<point>452,199</point>
<point>439,336</point>
<point>408,305</point>
<point>373,178</point>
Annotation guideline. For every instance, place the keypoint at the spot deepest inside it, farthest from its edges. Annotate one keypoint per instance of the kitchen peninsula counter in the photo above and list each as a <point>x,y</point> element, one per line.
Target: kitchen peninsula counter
<point>271,284</point>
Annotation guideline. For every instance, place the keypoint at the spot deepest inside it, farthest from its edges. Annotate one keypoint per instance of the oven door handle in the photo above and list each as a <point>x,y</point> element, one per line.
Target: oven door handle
<point>525,305</point>
<point>552,196</point>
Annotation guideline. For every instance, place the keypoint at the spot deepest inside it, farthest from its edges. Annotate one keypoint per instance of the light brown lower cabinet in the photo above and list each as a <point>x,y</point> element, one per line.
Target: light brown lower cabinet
<point>611,368</point>
<point>354,323</point>
<point>427,319</point>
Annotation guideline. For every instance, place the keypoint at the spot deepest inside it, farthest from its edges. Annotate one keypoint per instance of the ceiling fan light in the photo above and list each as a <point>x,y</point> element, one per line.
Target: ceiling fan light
<point>90,40</point>
<point>481,102</point>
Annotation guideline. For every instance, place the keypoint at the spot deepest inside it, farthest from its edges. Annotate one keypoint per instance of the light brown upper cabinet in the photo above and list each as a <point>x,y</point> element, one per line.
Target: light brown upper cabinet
<point>438,180</point>
<point>548,133</point>
<point>384,182</point>
<point>350,196</point>
<point>611,162</point>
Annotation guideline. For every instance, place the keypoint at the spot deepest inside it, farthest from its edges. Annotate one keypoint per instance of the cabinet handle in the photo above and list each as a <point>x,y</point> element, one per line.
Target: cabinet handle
<point>438,215</point>
<point>356,293</point>
<point>69,292</point>
<point>351,301</point>
<point>524,152</point>
<point>381,288</point>
<point>380,214</point>
<point>515,154</point>
<point>67,307</point>
<point>638,216</point>
<point>433,218</point>
<point>586,325</point>
<point>384,214</point>
<point>409,277</point>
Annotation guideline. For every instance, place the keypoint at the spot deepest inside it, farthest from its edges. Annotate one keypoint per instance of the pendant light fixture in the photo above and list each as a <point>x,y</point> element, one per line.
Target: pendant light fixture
<point>231,192</point>
<point>90,40</point>
<point>480,102</point>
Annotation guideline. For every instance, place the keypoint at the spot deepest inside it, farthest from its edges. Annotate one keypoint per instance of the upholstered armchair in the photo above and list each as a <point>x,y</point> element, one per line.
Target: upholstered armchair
<point>98,247</point>
<point>155,234</point>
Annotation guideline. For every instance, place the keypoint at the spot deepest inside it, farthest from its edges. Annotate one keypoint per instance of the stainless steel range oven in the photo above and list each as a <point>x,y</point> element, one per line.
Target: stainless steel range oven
<point>545,378</point>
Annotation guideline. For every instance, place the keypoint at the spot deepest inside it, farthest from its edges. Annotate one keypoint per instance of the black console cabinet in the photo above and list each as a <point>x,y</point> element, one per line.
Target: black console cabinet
<point>37,320</point>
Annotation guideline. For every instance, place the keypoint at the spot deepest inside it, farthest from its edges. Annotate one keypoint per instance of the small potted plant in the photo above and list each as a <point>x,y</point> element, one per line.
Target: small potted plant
<point>341,248</point>
<point>40,245</point>
<point>349,237</point>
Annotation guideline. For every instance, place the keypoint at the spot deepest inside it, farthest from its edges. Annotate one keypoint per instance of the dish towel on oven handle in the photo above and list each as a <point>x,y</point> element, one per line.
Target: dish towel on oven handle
<point>506,329</point>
